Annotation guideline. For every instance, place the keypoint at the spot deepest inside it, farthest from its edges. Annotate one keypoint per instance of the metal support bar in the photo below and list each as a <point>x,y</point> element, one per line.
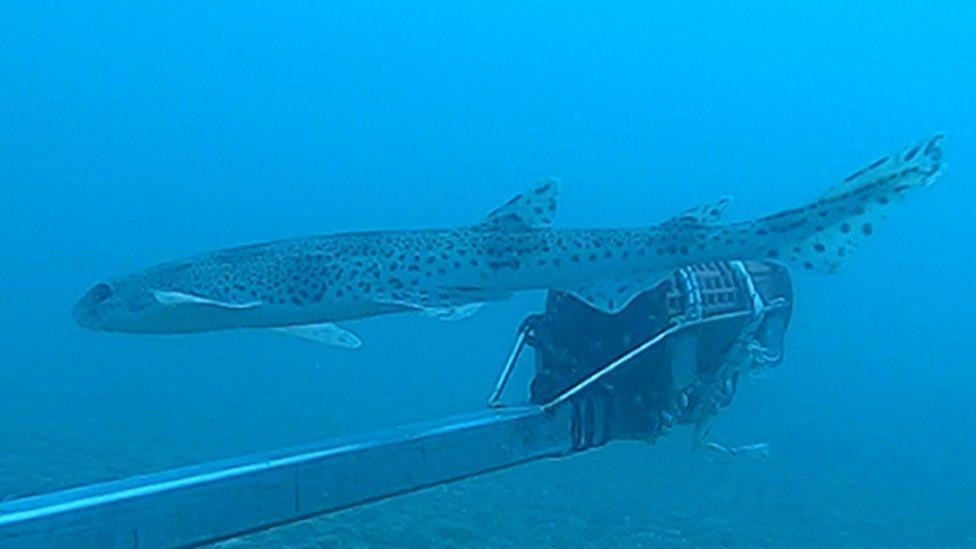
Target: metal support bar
<point>495,400</point>
<point>629,355</point>
<point>205,503</point>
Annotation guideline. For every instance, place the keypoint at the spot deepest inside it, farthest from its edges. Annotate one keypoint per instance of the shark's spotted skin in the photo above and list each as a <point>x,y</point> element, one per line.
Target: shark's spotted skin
<point>446,273</point>
<point>848,214</point>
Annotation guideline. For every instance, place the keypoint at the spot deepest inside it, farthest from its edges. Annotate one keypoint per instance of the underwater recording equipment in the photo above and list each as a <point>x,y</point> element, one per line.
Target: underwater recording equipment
<point>674,356</point>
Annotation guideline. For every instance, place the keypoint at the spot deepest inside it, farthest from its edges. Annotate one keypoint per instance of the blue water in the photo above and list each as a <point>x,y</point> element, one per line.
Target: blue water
<point>131,134</point>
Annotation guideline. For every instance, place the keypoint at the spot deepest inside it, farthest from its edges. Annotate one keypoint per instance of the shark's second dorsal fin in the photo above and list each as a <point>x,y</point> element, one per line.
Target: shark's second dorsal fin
<point>533,209</point>
<point>706,214</point>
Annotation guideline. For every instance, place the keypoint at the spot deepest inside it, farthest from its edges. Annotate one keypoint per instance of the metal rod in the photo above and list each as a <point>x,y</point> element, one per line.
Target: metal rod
<point>494,400</point>
<point>603,372</point>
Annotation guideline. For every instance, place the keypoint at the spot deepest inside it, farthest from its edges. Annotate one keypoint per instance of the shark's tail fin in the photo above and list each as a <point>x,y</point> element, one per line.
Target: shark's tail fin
<point>823,235</point>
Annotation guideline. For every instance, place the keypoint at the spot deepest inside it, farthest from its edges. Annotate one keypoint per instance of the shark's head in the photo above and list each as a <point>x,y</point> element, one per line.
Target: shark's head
<point>120,305</point>
<point>165,299</point>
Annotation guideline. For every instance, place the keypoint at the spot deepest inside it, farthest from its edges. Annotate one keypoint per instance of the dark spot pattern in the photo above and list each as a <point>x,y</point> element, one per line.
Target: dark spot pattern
<point>402,266</point>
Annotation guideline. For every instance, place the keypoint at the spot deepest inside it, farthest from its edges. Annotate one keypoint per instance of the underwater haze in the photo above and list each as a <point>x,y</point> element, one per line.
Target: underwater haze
<point>134,133</point>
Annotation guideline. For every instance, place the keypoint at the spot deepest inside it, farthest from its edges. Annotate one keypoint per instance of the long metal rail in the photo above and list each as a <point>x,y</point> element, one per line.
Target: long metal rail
<point>210,502</point>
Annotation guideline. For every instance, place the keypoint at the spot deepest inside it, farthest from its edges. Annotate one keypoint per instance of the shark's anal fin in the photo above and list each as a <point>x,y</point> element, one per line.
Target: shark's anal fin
<point>326,333</point>
<point>450,308</point>
<point>611,295</point>
<point>175,299</point>
<point>455,313</point>
<point>533,209</point>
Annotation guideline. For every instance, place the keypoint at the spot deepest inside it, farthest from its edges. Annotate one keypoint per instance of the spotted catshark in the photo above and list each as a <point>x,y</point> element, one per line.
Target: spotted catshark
<point>305,285</point>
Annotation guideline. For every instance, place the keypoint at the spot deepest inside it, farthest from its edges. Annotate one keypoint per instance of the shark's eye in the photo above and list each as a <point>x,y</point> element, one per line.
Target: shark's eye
<point>101,292</point>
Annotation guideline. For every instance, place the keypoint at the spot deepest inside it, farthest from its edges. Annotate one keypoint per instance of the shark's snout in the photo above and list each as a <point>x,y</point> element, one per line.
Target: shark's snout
<point>83,315</point>
<point>87,310</point>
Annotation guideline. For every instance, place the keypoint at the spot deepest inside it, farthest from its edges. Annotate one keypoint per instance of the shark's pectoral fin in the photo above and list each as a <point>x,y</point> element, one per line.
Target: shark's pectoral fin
<point>326,333</point>
<point>533,209</point>
<point>611,295</point>
<point>175,299</point>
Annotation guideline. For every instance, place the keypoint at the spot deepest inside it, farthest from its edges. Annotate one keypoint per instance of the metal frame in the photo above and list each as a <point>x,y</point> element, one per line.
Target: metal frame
<point>629,355</point>
<point>693,316</point>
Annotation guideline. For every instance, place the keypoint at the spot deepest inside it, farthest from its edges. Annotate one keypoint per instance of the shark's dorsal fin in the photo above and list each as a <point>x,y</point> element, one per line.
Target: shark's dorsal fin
<point>533,209</point>
<point>174,299</point>
<point>326,333</point>
<point>706,214</point>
